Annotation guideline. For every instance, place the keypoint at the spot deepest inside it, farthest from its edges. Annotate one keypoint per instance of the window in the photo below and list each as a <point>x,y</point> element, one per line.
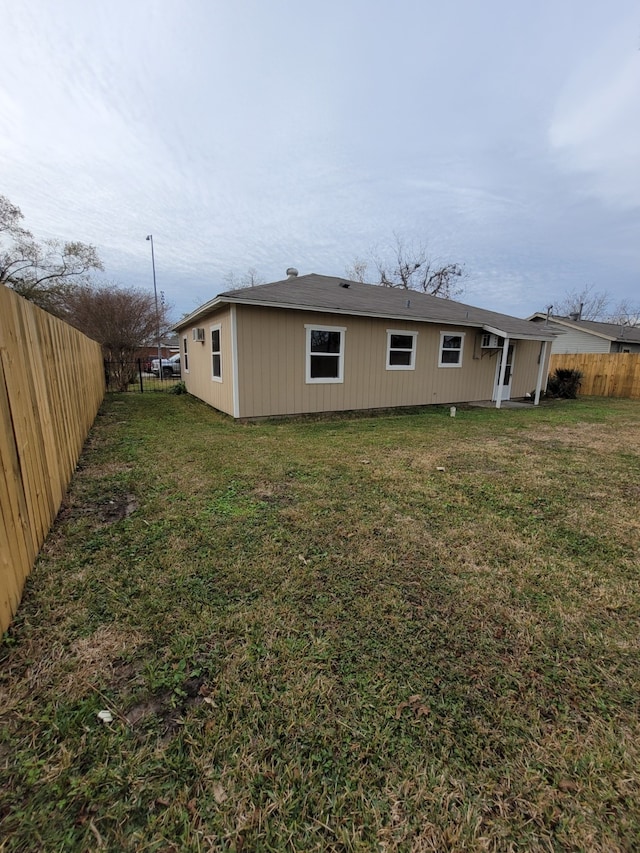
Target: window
<point>450,350</point>
<point>401,350</point>
<point>216,354</point>
<point>185,355</point>
<point>325,353</point>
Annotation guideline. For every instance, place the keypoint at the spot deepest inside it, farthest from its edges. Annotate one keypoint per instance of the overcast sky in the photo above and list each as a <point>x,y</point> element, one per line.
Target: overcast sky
<point>277,133</point>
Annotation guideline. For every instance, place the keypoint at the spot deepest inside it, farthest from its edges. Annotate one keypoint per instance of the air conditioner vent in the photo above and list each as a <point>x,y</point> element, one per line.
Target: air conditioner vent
<point>198,335</point>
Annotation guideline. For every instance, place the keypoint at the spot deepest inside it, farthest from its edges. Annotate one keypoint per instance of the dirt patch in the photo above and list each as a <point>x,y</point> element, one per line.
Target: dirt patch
<point>117,508</point>
<point>166,708</point>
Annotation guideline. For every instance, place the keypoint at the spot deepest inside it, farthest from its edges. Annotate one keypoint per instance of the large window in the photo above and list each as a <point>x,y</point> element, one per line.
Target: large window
<point>216,354</point>
<point>451,350</point>
<point>325,353</point>
<point>401,350</point>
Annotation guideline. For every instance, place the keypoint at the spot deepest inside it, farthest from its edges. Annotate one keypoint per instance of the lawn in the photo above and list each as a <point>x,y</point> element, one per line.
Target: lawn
<point>398,633</point>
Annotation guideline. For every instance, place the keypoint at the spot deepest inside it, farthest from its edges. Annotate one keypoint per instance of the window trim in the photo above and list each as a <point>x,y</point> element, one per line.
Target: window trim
<point>217,327</point>
<point>185,354</point>
<point>407,334</point>
<point>324,380</point>
<point>451,349</point>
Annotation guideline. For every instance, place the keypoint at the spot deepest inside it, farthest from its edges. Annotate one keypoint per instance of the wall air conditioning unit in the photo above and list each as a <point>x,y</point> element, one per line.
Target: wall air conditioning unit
<point>490,341</point>
<point>198,335</point>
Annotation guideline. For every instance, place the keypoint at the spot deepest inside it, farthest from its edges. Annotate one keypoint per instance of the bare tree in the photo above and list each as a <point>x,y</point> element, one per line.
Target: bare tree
<point>410,266</point>
<point>44,273</point>
<point>358,270</point>
<point>249,279</point>
<point>591,304</point>
<point>588,303</point>
<point>626,313</point>
<point>122,319</point>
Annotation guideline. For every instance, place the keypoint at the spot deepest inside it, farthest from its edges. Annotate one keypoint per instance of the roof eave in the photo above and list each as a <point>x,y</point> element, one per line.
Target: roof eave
<point>295,306</point>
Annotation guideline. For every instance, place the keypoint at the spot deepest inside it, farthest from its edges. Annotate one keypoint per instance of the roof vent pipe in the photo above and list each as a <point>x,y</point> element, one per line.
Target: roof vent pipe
<point>292,272</point>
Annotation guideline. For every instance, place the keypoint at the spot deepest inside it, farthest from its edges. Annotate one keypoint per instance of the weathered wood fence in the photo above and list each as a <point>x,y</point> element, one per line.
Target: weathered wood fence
<point>604,374</point>
<point>51,385</point>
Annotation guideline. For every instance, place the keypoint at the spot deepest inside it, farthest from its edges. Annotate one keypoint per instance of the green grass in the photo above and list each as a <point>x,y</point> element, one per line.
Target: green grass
<point>312,639</point>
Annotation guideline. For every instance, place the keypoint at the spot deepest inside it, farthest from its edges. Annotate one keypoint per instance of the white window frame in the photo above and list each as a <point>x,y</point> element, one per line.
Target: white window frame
<point>444,335</point>
<point>322,380</point>
<point>185,354</point>
<point>407,334</point>
<point>212,352</point>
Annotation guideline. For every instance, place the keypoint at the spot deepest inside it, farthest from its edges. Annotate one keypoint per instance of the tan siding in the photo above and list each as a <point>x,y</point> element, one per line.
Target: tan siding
<point>198,378</point>
<point>271,345</point>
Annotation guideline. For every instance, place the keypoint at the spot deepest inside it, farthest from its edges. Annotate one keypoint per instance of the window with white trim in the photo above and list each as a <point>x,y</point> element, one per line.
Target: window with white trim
<point>185,357</point>
<point>325,353</point>
<point>216,353</point>
<point>401,350</point>
<point>451,347</point>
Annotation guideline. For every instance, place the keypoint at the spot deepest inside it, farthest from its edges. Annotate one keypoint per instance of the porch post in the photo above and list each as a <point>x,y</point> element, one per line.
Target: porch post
<point>503,370</point>
<point>543,358</point>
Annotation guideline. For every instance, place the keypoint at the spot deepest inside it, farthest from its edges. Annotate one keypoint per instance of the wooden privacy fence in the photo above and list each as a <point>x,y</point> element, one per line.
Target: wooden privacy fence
<point>615,374</point>
<point>51,385</point>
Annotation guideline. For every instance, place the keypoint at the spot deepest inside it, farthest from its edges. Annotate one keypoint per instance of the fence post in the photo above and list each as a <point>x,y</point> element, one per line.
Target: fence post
<point>140,374</point>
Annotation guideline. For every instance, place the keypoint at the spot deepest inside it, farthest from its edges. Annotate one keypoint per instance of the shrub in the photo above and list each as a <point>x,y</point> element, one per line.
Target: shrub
<point>564,383</point>
<point>178,388</point>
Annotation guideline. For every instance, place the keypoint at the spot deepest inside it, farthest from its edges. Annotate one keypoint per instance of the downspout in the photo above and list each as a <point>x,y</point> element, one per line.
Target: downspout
<point>543,358</point>
<point>503,370</point>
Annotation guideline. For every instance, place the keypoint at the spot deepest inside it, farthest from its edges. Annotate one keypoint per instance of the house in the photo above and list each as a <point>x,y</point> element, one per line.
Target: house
<point>316,343</point>
<point>577,336</point>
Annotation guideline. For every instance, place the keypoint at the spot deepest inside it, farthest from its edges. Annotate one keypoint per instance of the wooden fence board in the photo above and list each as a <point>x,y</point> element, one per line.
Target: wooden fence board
<point>51,386</point>
<point>615,374</point>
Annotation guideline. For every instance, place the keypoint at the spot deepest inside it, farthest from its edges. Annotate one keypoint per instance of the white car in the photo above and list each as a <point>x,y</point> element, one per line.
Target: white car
<point>170,366</point>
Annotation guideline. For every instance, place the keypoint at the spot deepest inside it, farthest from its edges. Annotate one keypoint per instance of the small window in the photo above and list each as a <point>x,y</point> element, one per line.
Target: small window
<point>401,350</point>
<point>325,353</point>
<point>451,350</point>
<point>216,354</point>
<point>185,352</point>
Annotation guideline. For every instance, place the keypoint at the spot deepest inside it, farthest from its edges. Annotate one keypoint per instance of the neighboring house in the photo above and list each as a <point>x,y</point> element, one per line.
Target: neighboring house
<point>575,336</point>
<point>316,343</point>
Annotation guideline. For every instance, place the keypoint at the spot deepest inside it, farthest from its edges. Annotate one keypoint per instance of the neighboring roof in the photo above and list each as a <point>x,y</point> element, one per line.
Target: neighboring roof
<point>611,331</point>
<point>341,296</point>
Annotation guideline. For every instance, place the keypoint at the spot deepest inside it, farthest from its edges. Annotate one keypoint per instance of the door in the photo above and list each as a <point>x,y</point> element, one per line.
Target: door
<point>508,375</point>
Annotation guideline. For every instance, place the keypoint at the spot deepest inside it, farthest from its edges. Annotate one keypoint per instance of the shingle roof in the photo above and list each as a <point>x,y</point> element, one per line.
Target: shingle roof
<point>338,295</point>
<point>614,331</point>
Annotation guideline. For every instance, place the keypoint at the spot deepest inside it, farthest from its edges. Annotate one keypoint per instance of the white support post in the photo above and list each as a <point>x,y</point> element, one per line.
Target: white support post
<point>543,358</point>
<point>503,370</point>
